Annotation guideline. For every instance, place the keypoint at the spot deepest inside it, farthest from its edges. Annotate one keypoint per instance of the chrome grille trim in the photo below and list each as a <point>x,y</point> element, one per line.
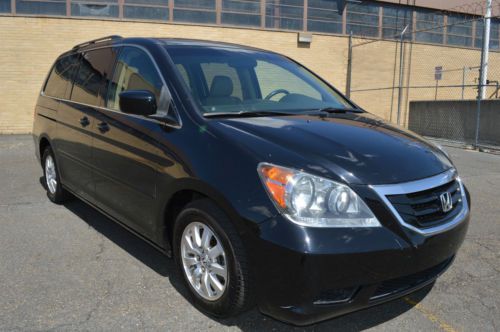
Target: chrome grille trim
<point>420,185</point>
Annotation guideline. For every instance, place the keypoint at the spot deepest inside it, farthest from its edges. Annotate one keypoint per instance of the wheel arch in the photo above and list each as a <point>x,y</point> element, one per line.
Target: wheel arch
<point>43,143</point>
<point>188,190</point>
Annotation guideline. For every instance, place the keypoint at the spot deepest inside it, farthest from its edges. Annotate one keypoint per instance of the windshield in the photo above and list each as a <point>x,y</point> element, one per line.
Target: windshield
<point>230,80</point>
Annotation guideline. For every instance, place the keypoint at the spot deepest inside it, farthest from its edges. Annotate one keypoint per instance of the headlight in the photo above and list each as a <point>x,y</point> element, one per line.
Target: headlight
<point>314,201</point>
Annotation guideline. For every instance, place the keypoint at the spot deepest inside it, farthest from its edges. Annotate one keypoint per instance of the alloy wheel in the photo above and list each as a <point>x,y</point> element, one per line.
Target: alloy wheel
<point>204,261</point>
<point>50,174</point>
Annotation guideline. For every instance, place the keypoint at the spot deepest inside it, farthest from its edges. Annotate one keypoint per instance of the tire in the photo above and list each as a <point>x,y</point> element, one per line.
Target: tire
<point>236,297</point>
<point>51,179</point>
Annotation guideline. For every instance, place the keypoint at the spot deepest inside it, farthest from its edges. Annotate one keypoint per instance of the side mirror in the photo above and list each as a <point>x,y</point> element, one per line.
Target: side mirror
<point>138,102</point>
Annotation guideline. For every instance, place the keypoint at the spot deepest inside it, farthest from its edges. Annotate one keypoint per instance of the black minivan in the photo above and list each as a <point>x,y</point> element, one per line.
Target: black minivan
<point>265,183</point>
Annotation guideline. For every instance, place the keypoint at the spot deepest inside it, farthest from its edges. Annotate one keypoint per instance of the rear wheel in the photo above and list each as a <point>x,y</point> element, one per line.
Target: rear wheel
<point>212,260</point>
<point>55,191</point>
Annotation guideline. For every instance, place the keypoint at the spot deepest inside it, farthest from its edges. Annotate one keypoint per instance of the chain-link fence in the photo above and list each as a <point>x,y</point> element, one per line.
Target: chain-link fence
<point>427,76</point>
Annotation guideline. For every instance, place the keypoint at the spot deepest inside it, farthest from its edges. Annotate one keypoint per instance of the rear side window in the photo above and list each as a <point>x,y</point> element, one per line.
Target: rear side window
<point>58,83</point>
<point>135,71</point>
<point>93,75</point>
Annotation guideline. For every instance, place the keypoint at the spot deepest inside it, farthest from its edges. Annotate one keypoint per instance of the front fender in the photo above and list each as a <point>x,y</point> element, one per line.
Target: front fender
<point>242,216</point>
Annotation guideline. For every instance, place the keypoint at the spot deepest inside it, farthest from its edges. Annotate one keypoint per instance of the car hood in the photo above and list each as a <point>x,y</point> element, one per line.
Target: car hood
<point>352,147</point>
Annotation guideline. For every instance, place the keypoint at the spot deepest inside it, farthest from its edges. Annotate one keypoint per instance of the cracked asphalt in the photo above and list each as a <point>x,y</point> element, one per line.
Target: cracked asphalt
<point>67,267</point>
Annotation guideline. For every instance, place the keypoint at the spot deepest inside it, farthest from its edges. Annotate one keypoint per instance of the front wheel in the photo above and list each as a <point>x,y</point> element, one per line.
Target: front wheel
<point>212,260</point>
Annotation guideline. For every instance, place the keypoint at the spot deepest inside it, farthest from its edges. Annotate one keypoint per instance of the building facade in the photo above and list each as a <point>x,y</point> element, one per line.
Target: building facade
<point>34,32</point>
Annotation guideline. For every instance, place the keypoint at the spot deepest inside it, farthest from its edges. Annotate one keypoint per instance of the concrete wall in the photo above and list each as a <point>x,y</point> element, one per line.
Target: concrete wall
<point>456,120</point>
<point>29,45</point>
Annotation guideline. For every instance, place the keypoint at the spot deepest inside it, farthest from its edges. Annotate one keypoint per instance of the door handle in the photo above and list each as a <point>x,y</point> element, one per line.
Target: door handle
<point>103,127</point>
<point>84,121</point>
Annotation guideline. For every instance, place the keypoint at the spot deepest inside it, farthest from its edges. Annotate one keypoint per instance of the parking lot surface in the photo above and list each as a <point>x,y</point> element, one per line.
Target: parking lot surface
<point>67,267</point>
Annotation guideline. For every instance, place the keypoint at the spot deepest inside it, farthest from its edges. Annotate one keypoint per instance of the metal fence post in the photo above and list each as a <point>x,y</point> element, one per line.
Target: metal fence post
<point>401,73</point>
<point>483,72</point>
<point>463,82</point>
<point>349,69</point>
<point>486,48</point>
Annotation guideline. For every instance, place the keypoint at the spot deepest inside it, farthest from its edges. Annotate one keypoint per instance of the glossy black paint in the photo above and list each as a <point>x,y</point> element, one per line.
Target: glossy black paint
<point>139,170</point>
<point>313,260</point>
<point>138,102</point>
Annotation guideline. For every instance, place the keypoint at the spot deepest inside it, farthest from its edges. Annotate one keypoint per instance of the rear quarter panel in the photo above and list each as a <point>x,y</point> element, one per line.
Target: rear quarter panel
<point>44,122</point>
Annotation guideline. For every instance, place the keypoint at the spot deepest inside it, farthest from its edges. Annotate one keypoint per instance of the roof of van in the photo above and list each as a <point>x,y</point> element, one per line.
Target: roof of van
<point>195,42</point>
<point>204,43</point>
<point>110,40</point>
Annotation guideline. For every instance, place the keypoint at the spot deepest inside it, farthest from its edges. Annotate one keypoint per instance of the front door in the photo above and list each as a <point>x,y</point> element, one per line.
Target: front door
<point>123,149</point>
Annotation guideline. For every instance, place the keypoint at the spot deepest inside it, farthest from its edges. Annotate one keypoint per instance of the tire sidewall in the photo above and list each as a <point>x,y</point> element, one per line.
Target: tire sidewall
<point>57,196</point>
<point>220,307</point>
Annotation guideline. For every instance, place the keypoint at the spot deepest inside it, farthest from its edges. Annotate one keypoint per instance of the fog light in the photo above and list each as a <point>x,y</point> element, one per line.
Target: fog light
<point>336,296</point>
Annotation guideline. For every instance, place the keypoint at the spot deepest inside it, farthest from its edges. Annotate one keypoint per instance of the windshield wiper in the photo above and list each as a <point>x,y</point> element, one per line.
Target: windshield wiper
<point>271,113</point>
<point>339,110</point>
<point>245,113</point>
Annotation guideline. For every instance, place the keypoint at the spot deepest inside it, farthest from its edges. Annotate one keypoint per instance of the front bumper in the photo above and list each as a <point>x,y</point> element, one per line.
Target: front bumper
<point>305,275</point>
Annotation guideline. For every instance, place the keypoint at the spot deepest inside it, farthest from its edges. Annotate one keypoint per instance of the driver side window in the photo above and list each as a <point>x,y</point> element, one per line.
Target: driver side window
<point>135,71</point>
<point>272,77</point>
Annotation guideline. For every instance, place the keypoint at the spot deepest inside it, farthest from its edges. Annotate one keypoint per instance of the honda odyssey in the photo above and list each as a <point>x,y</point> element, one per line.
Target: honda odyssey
<point>265,184</point>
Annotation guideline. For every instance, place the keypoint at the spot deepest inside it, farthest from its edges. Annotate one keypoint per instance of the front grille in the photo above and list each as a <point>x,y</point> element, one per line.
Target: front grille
<point>398,285</point>
<point>423,209</point>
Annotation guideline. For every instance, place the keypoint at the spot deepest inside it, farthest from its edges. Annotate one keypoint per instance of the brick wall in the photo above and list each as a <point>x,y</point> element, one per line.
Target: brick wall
<point>373,67</point>
<point>28,47</point>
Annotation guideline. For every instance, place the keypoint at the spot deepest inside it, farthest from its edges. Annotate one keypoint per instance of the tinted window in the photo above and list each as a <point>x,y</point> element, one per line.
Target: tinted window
<point>202,11</point>
<point>93,75</point>
<point>494,38</point>
<point>5,6</point>
<point>146,13</point>
<point>459,30</point>
<point>237,12</point>
<point>284,14</point>
<point>395,19</point>
<point>194,16</point>
<point>429,27</point>
<point>108,8</point>
<point>52,7</point>
<point>363,19</point>
<point>324,16</point>
<point>60,77</point>
<point>135,71</point>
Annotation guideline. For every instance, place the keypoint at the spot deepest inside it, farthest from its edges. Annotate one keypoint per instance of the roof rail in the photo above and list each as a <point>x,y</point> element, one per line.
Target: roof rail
<point>93,41</point>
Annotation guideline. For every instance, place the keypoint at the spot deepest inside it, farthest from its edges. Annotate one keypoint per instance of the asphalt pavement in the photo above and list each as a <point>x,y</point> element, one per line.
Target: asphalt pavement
<point>67,267</point>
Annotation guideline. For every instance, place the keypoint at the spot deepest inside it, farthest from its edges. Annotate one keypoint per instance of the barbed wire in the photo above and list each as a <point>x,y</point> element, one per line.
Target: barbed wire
<point>471,12</point>
<point>473,8</point>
